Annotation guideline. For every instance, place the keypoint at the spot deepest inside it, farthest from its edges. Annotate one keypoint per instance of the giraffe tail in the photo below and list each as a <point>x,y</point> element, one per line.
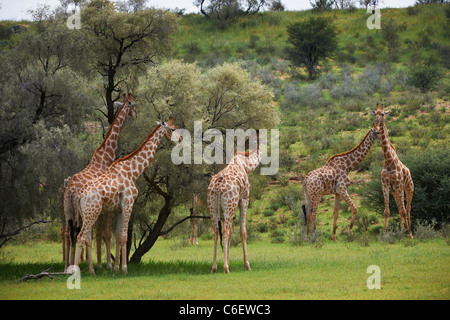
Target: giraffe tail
<point>304,211</point>
<point>220,233</point>
<point>305,206</point>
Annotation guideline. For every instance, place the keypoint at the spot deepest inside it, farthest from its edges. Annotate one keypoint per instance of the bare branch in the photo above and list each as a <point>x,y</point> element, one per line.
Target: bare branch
<point>8,236</point>
<point>181,221</point>
<point>44,273</point>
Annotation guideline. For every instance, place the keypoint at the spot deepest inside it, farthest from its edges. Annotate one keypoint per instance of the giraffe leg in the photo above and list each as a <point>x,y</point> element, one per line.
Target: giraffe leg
<point>81,240</point>
<point>400,201</point>
<point>89,251</point>
<point>62,233</point>
<point>118,242</point>
<point>72,250</point>
<point>68,245</point>
<point>385,189</point>
<point>337,201</point>
<point>108,239</point>
<point>226,234</point>
<point>216,236</point>
<point>312,215</point>
<point>344,194</point>
<point>243,205</point>
<point>98,237</point>
<point>126,214</point>
<point>409,191</point>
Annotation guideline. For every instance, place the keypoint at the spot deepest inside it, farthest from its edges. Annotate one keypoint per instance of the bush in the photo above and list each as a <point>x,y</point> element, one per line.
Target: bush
<point>262,227</point>
<point>425,78</point>
<point>268,213</point>
<point>425,230</point>
<point>393,234</point>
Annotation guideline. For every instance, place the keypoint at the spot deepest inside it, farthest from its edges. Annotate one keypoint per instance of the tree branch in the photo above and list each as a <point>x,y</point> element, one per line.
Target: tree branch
<point>7,237</point>
<point>181,221</point>
<point>44,273</point>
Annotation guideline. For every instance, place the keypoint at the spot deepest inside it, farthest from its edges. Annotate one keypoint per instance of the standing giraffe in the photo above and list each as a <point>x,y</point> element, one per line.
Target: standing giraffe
<point>229,189</point>
<point>115,191</point>
<point>333,178</point>
<point>102,158</point>
<point>395,177</point>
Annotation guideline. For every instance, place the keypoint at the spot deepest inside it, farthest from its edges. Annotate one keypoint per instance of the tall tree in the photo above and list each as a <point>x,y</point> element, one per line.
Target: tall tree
<point>223,98</point>
<point>122,41</point>
<point>311,42</point>
<point>43,110</point>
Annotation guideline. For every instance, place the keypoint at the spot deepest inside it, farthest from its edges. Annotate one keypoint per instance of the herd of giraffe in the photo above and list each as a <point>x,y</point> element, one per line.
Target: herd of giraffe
<point>107,186</point>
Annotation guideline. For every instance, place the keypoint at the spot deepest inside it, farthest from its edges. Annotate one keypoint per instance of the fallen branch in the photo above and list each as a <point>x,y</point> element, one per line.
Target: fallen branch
<point>44,273</point>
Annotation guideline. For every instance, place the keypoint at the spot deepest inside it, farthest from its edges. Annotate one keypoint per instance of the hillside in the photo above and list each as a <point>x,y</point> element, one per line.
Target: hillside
<point>331,115</point>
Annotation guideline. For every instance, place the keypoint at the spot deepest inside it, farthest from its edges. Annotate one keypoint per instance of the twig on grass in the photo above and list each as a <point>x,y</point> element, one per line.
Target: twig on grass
<point>44,273</point>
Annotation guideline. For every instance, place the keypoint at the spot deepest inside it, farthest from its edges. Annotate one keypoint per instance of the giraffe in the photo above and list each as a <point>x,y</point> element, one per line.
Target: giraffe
<point>102,158</point>
<point>332,178</point>
<point>229,189</point>
<point>115,191</point>
<point>194,221</point>
<point>395,177</point>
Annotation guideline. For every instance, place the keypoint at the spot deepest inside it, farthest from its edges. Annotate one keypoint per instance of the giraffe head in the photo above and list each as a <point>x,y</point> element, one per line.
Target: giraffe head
<point>128,103</point>
<point>379,117</point>
<point>170,130</point>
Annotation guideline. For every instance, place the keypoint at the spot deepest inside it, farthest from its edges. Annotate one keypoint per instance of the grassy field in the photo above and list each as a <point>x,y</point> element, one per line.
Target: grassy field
<point>318,119</point>
<point>418,270</point>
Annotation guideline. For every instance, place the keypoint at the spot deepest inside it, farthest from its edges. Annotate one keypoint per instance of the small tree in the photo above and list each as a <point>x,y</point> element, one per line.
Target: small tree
<point>312,42</point>
<point>424,77</point>
<point>223,98</point>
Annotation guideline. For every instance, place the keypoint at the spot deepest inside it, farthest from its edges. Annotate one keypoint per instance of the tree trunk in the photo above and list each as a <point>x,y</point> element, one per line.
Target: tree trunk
<point>155,233</point>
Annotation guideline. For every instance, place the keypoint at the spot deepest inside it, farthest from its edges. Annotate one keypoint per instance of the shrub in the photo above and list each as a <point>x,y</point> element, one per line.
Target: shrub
<point>393,234</point>
<point>291,196</point>
<point>425,229</point>
<point>425,78</point>
<point>262,227</point>
<point>268,213</point>
<point>277,240</point>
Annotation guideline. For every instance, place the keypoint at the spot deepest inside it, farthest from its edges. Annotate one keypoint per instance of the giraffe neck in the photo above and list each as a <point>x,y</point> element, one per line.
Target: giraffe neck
<point>389,152</point>
<point>106,152</point>
<point>349,160</point>
<point>133,165</point>
<point>248,160</point>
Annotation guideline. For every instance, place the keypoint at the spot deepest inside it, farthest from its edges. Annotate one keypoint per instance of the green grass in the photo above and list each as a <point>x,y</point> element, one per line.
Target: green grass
<point>279,271</point>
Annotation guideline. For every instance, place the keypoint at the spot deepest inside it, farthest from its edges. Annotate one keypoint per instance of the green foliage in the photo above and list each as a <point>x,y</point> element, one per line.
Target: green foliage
<point>424,77</point>
<point>312,42</point>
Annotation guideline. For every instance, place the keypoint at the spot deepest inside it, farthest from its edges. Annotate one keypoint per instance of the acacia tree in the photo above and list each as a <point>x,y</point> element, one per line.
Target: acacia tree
<point>311,42</point>
<point>224,10</point>
<point>122,41</point>
<point>224,97</point>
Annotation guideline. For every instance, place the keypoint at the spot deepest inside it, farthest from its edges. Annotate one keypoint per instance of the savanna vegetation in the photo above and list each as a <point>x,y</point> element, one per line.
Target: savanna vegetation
<point>59,87</point>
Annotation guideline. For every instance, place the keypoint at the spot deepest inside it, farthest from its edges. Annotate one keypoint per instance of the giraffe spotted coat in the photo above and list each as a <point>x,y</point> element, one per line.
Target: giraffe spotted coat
<point>333,178</point>
<point>227,190</point>
<point>395,177</point>
<point>115,192</point>
<point>102,158</point>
